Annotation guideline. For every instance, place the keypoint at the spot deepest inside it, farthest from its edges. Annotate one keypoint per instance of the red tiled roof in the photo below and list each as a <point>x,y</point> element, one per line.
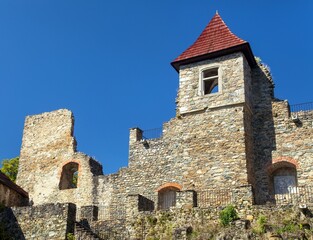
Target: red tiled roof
<point>215,37</point>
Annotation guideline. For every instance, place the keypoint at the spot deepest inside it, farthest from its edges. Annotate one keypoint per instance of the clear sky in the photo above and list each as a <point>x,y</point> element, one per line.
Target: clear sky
<point>109,61</point>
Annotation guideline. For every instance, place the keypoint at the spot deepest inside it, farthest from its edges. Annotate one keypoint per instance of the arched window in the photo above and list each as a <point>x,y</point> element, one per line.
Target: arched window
<point>167,195</point>
<point>285,180</point>
<point>209,81</point>
<point>69,176</point>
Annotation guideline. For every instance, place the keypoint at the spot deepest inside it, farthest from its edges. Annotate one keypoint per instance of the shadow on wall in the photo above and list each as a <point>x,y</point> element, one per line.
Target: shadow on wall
<point>9,227</point>
<point>264,134</point>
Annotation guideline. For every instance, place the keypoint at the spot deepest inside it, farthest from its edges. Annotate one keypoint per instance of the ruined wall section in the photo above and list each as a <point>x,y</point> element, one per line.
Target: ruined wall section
<point>48,145</point>
<point>231,89</point>
<point>47,140</point>
<point>106,197</point>
<point>293,141</point>
<point>83,195</point>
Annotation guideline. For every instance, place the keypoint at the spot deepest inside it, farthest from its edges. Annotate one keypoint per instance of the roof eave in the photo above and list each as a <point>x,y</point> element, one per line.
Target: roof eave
<point>244,48</point>
<point>6,181</point>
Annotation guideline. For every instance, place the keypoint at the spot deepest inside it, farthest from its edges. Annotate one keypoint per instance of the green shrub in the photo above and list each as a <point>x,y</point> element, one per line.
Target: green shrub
<point>227,215</point>
<point>261,221</point>
<point>289,228</point>
<point>70,236</point>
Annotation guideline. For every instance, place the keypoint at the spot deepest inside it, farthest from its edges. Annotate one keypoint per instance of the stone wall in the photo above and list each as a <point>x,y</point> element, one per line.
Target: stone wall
<point>226,144</point>
<point>11,194</point>
<point>257,222</point>
<point>248,119</point>
<point>263,130</point>
<point>293,144</point>
<point>197,151</point>
<point>278,139</point>
<point>293,141</point>
<point>48,145</point>
<point>49,221</point>
<point>208,146</point>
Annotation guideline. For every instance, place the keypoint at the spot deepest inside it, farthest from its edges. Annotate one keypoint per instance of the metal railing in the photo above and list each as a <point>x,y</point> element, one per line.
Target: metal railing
<point>109,233</point>
<point>152,133</point>
<point>302,107</point>
<point>209,198</point>
<point>106,213</point>
<point>85,231</point>
<point>111,213</point>
<point>295,195</point>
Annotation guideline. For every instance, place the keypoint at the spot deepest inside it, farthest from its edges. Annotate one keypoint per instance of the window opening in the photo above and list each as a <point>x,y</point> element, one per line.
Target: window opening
<point>285,180</point>
<point>69,176</point>
<point>74,179</point>
<point>209,81</point>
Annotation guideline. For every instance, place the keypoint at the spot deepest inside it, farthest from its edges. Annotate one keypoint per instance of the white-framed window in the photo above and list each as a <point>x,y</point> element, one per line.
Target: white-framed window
<point>209,81</point>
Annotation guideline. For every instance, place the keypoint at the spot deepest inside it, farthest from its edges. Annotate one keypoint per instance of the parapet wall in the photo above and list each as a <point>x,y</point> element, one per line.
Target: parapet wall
<point>49,221</point>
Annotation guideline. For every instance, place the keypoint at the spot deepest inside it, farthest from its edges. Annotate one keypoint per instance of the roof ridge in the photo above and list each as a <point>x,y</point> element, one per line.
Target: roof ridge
<point>215,37</point>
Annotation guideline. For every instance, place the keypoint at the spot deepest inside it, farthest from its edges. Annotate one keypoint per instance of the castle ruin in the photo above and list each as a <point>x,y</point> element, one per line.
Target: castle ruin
<point>231,142</point>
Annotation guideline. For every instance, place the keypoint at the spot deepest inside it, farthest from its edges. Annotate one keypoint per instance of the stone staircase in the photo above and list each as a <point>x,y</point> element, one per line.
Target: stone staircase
<point>83,232</point>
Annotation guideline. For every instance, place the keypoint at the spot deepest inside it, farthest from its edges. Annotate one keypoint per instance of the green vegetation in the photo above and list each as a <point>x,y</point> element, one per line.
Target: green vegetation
<point>10,168</point>
<point>289,227</point>
<point>74,180</point>
<point>70,236</point>
<point>191,233</point>
<point>227,215</point>
<point>261,221</point>
<point>152,220</point>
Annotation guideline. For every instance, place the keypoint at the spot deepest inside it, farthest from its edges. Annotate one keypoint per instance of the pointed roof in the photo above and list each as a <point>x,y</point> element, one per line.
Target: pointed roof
<point>215,40</point>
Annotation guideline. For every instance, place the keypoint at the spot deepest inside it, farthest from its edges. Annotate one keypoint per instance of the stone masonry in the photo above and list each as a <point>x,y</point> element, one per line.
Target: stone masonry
<point>239,145</point>
<point>48,144</point>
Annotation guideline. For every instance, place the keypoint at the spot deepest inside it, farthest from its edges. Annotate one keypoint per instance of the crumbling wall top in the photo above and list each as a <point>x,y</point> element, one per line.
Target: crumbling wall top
<point>50,131</point>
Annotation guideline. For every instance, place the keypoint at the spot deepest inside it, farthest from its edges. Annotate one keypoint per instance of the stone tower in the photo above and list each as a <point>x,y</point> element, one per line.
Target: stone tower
<point>49,161</point>
<point>215,82</point>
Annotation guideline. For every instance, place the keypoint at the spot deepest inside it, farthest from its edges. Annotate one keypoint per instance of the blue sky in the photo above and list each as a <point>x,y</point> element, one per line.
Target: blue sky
<point>109,61</point>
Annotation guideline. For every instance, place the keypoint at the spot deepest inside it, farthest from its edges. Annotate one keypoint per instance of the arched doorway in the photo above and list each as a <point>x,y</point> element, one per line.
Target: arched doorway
<point>167,195</point>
